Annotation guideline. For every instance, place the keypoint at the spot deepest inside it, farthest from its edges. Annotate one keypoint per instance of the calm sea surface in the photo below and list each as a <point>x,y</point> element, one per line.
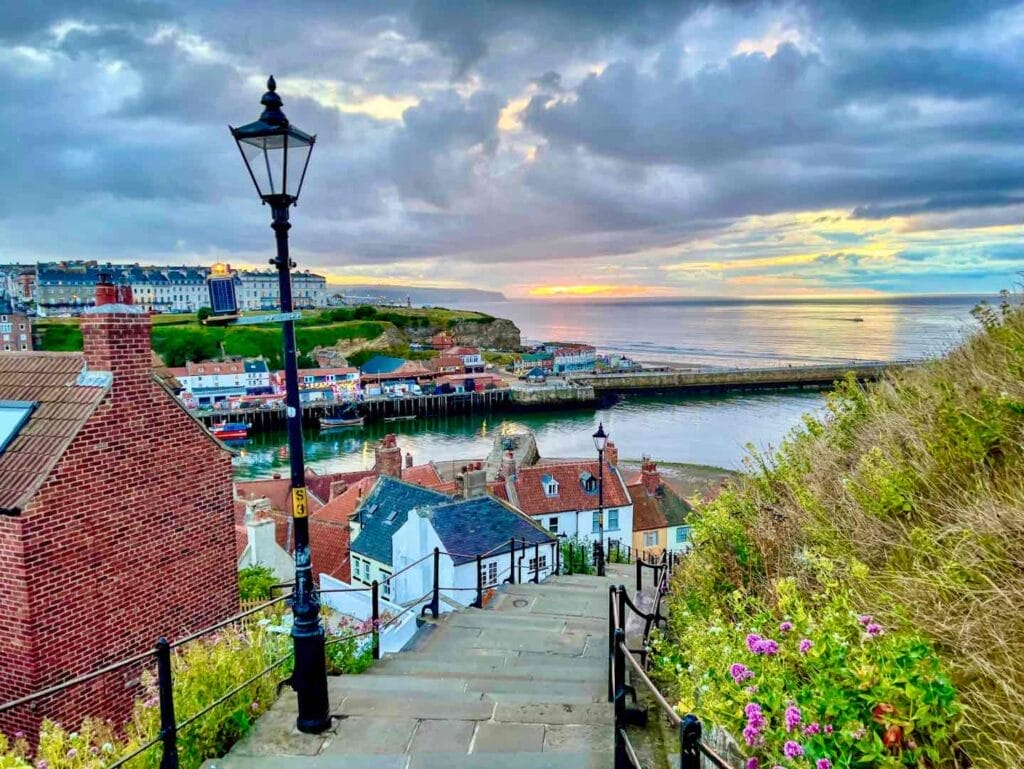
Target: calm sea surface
<point>749,333</point>
<point>696,429</point>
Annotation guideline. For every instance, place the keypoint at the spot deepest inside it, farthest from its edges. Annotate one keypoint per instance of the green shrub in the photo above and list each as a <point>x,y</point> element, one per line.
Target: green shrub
<point>60,337</point>
<point>911,491</point>
<point>255,583</point>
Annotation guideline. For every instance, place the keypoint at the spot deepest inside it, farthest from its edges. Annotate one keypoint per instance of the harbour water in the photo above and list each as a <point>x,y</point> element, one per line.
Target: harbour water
<point>711,430</point>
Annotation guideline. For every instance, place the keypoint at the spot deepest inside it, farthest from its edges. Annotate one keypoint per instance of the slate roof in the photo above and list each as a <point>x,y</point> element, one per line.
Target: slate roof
<point>482,525</point>
<point>63,407</point>
<point>527,490</point>
<point>384,510</point>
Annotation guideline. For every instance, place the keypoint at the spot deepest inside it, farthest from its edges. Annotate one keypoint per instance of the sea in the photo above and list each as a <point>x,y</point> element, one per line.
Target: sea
<point>707,430</point>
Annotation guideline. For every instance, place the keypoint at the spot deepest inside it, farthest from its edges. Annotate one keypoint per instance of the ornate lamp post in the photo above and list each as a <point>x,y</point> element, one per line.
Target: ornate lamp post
<point>600,441</point>
<point>276,155</point>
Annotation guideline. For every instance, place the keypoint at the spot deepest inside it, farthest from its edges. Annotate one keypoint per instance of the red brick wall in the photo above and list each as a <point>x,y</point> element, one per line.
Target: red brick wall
<point>130,538</point>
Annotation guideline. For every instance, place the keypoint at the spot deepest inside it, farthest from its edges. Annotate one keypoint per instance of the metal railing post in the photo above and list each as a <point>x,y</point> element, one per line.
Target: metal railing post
<point>639,574</point>
<point>536,564</point>
<point>558,557</point>
<point>435,601</point>
<point>611,641</point>
<point>619,699</point>
<point>479,582</point>
<point>622,607</point>
<point>512,560</point>
<point>168,723</point>
<point>375,617</point>
<point>522,555</point>
<point>568,543</point>
<point>689,742</point>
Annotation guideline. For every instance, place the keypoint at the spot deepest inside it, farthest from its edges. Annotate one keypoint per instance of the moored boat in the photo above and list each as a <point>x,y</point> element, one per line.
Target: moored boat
<point>328,422</point>
<point>230,431</point>
<point>406,418</point>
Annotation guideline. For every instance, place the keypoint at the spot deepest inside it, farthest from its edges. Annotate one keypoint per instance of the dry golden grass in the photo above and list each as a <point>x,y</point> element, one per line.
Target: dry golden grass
<point>920,478</point>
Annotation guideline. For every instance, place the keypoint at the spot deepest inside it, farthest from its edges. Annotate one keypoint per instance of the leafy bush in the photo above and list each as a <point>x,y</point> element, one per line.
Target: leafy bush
<point>203,314</point>
<point>255,583</point>
<point>912,491</point>
<point>203,672</point>
<point>577,555</point>
<point>365,312</point>
<point>59,337</point>
<point>811,678</point>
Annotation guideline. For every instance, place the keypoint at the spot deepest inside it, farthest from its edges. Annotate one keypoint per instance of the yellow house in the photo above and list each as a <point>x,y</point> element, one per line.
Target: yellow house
<point>659,514</point>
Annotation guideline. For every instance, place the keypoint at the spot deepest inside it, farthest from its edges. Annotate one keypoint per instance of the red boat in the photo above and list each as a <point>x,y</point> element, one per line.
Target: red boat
<point>230,431</point>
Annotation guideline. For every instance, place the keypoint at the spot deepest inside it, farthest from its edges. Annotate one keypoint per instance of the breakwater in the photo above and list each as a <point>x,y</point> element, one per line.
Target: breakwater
<point>583,391</point>
<point>726,380</point>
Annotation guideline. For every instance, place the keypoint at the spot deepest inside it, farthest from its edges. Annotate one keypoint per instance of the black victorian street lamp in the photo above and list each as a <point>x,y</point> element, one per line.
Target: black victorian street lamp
<point>600,441</point>
<point>276,154</point>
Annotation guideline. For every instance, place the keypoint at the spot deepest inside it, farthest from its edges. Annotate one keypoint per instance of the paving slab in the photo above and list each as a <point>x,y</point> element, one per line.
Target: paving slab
<point>510,761</point>
<point>443,736</point>
<point>275,735</point>
<point>554,713</point>
<point>508,738</point>
<point>371,761</point>
<point>472,708</point>
<point>365,735</point>
<point>578,738</point>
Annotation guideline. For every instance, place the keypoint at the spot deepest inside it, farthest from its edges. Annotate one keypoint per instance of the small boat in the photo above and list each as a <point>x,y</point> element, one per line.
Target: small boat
<point>406,418</point>
<point>326,423</point>
<point>230,431</point>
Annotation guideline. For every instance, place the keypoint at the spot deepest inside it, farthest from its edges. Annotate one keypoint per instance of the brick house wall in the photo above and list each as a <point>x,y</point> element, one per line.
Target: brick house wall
<point>130,538</point>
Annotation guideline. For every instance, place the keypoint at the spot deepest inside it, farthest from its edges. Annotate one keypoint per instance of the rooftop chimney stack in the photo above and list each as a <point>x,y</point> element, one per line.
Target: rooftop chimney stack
<point>611,453</point>
<point>388,457</point>
<point>115,337</point>
<point>408,459</point>
<point>649,476</point>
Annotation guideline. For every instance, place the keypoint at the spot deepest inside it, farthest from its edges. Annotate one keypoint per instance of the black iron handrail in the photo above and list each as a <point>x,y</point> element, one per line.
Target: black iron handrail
<point>170,727</point>
<point>690,731</point>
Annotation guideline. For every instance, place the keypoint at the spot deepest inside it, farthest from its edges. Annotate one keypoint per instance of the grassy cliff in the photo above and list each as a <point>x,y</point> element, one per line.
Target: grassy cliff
<point>361,331</point>
<point>870,574</point>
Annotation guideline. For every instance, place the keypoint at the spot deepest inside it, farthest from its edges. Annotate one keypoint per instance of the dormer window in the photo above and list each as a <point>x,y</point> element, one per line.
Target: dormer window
<point>550,486</point>
<point>588,482</point>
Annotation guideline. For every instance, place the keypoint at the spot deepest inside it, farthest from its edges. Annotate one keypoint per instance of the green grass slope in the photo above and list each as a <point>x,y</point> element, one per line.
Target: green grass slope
<point>890,537</point>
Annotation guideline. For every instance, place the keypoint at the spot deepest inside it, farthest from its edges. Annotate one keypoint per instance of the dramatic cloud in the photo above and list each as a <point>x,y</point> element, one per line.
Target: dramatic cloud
<point>539,147</point>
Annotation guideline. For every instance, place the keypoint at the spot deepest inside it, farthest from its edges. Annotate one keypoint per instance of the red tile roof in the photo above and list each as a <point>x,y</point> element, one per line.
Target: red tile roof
<point>63,407</point>
<point>340,509</point>
<point>445,361</point>
<point>646,514</point>
<point>320,485</point>
<point>527,491</point>
<point>422,475</point>
<point>328,544</point>
<point>277,491</point>
<point>461,350</point>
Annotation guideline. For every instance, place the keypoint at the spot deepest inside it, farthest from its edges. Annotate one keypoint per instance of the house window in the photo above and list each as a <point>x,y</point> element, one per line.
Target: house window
<point>489,574</point>
<point>552,489</point>
<point>650,539</point>
<point>596,523</point>
<point>553,524</point>
<point>533,564</point>
<point>613,520</point>
<point>683,534</point>
<point>385,585</point>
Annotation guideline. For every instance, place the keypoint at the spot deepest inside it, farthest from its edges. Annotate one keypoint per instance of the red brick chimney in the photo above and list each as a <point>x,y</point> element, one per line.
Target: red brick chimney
<point>116,340</point>
<point>611,453</point>
<point>388,457</point>
<point>649,476</point>
<point>338,488</point>
<point>508,465</point>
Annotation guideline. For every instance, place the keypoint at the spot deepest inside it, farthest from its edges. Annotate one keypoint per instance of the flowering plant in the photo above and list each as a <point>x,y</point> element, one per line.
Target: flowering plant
<point>814,688</point>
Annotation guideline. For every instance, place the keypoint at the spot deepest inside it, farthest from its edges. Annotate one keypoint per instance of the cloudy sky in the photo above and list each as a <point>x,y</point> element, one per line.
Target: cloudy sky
<point>537,147</point>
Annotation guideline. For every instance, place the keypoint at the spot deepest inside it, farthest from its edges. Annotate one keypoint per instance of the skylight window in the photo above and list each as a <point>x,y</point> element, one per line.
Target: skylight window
<point>13,415</point>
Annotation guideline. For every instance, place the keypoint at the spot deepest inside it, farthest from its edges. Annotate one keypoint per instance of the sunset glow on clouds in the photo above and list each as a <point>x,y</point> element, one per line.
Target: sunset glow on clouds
<point>547,149</point>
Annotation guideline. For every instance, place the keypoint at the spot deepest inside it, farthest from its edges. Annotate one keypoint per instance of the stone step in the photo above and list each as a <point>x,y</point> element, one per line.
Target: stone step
<point>525,620</point>
<point>517,667</point>
<point>443,760</point>
<point>438,690</point>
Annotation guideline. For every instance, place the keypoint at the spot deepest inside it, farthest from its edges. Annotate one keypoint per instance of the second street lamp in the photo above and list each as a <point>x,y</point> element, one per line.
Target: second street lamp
<point>600,442</point>
<point>276,154</point>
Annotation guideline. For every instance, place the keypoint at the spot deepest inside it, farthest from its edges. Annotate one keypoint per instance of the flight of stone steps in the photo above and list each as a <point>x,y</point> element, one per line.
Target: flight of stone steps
<point>521,683</point>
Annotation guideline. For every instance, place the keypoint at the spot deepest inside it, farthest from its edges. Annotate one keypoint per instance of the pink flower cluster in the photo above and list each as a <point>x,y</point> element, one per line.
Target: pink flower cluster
<point>755,722</point>
<point>805,645</point>
<point>792,717</point>
<point>872,628</point>
<point>740,673</point>
<point>792,749</point>
<point>759,645</point>
<point>785,627</point>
